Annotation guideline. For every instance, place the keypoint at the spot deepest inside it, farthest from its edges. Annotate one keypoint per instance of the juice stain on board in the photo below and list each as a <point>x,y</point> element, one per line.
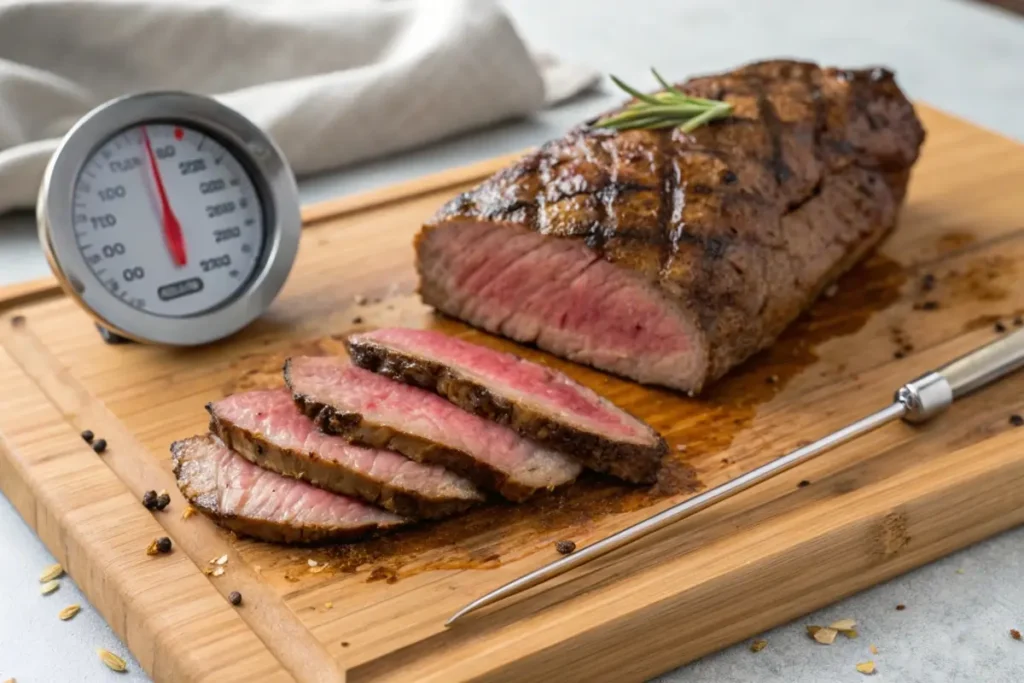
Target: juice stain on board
<point>500,532</point>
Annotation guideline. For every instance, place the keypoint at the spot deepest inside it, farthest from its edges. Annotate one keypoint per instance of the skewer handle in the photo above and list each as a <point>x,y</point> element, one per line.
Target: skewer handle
<point>934,392</point>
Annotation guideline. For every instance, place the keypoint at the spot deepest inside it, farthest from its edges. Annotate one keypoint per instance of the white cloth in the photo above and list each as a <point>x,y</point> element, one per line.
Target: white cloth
<point>333,82</point>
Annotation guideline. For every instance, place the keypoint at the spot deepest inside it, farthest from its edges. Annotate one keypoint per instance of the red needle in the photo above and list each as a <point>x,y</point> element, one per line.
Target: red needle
<point>172,228</point>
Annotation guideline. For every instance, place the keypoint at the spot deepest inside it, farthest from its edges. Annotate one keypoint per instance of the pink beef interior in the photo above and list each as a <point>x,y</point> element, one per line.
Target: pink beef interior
<point>518,379</point>
<point>274,414</point>
<point>336,382</point>
<point>241,488</point>
<point>561,296</point>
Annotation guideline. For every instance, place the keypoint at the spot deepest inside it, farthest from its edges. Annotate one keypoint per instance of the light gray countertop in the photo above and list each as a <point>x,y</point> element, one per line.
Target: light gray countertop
<point>963,57</point>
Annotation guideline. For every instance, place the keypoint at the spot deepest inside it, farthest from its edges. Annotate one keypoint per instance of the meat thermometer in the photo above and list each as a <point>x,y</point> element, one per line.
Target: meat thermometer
<point>171,218</point>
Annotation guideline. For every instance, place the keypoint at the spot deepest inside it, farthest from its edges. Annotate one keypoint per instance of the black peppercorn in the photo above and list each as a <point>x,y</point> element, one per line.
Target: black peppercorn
<point>235,598</point>
<point>149,499</point>
<point>729,177</point>
<point>162,501</point>
<point>1016,420</point>
<point>928,282</point>
<point>565,547</point>
<point>999,327</point>
<point>100,445</point>
<point>87,435</point>
<point>358,320</point>
<point>898,353</point>
<point>163,545</point>
<point>803,483</point>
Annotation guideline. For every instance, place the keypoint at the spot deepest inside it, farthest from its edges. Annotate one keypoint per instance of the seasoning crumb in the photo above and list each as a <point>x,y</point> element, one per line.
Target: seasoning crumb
<point>328,605</point>
<point>928,282</point>
<point>1018,321</point>
<point>823,634</point>
<point>681,448</point>
<point>900,607</point>
<point>235,598</point>
<point>160,545</point>
<point>319,568</point>
<point>111,660</point>
<point>843,624</point>
<point>311,563</point>
<point>358,320</point>
<point>100,445</point>
<point>874,650</point>
<point>565,547</point>
<point>359,299</point>
<point>220,561</point>
<point>344,643</point>
<point>1016,420</point>
<point>69,612</point>
<point>49,587</point>
<point>772,379</point>
<point>218,571</point>
<point>188,512</point>
<point>1015,634</point>
<point>831,290</point>
<point>149,500</point>
<point>258,569</point>
<point>758,645</point>
<point>927,306</point>
<point>999,327</point>
<point>163,500</point>
<point>899,353</point>
<point>54,571</point>
<point>867,668</point>
<point>803,483</point>
<point>88,436</point>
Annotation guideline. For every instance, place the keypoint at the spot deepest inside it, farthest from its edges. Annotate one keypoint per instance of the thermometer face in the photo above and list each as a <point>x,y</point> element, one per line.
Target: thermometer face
<point>168,220</point>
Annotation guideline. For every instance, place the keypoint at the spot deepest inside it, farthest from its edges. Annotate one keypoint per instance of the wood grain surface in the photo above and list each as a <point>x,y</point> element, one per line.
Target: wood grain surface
<point>870,510</point>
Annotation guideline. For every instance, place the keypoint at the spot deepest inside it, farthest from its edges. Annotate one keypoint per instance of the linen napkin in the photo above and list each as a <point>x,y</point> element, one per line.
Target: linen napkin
<point>332,82</point>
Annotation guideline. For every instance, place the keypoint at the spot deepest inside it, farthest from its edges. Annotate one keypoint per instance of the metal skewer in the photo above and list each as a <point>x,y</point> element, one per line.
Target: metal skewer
<point>916,401</point>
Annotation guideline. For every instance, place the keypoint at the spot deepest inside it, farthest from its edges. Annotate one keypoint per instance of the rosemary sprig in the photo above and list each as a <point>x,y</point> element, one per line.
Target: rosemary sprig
<point>670,108</point>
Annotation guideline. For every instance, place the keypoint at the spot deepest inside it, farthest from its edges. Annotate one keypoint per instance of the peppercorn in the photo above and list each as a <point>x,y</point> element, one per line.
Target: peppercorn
<point>899,353</point>
<point>565,547</point>
<point>358,320</point>
<point>930,306</point>
<point>928,282</point>
<point>803,483</point>
<point>87,436</point>
<point>100,445</point>
<point>999,327</point>
<point>163,545</point>
<point>162,501</point>
<point>1016,420</point>
<point>900,607</point>
<point>149,499</point>
<point>235,598</point>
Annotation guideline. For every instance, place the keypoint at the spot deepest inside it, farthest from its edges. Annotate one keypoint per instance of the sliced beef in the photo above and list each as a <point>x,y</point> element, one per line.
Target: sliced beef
<point>535,401</point>
<point>270,431</point>
<point>253,501</point>
<point>378,412</point>
<point>670,257</point>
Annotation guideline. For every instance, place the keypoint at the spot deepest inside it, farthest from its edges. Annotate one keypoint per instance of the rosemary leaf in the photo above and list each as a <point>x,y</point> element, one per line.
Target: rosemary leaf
<point>669,108</point>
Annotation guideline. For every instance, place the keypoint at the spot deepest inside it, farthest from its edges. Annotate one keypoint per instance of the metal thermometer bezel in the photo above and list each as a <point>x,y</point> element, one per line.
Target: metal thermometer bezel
<point>258,155</point>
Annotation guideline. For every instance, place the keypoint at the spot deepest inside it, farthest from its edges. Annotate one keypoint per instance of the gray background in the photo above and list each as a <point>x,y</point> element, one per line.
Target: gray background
<point>961,56</point>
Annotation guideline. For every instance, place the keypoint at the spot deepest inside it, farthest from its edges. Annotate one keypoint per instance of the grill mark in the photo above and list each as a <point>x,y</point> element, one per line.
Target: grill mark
<point>605,224</point>
<point>668,170</point>
<point>771,122</point>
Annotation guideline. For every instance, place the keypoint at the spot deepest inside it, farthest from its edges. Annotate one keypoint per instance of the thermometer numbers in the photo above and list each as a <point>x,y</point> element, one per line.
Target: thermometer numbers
<point>168,220</point>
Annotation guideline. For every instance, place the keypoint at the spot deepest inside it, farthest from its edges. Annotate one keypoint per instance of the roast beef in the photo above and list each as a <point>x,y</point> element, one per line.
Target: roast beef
<point>669,257</point>
<point>270,431</point>
<point>253,501</point>
<point>537,402</point>
<point>378,412</point>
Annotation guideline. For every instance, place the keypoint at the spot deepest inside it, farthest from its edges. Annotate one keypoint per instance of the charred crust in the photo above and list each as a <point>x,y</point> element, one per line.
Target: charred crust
<point>636,463</point>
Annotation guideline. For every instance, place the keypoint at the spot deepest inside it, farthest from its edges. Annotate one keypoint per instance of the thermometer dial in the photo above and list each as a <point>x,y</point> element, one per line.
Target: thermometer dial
<point>170,217</point>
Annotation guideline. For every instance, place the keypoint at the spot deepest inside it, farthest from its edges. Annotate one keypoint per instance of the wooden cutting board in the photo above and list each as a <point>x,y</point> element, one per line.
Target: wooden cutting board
<point>375,611</point>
